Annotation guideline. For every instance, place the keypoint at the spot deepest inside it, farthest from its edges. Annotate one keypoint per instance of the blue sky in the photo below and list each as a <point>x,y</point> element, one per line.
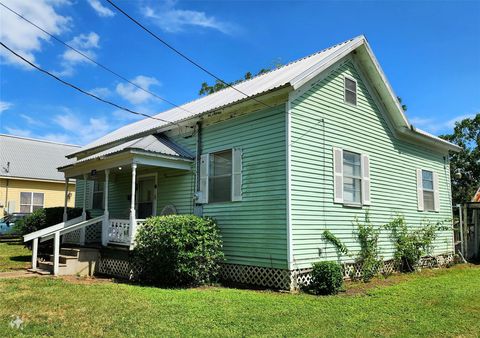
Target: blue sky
<point>430,52</point>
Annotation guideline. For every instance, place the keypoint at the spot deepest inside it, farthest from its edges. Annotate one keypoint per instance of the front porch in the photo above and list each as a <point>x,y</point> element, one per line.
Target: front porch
<point>118,189</point>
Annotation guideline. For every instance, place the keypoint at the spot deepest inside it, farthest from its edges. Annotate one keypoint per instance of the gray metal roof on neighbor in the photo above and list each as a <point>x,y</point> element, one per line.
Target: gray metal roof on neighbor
<point>277,78</point>
<point>35,159</point>
<point>156,144</point>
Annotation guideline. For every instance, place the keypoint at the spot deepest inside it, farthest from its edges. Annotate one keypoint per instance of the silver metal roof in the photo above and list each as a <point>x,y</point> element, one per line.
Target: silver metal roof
<point>157,144</point>
<point>29,158</point>
<point>277,78</point>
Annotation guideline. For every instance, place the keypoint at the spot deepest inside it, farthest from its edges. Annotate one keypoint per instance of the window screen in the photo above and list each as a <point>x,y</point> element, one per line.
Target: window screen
<point>352,178</point>
<point>220,177</point>
<point>350,91</point>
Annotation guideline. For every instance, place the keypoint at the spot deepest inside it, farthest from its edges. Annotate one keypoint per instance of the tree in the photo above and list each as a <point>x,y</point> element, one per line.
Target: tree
<point>207,89</point>
<point>465,165</point>
<point>404,106</point>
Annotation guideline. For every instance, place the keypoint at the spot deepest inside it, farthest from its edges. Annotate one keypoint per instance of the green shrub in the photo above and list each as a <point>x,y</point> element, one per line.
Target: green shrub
<point>327,278</point>
<point>412,244</point>
<point>178,250</point>
<point>43,218</point>
<point>368,255</point>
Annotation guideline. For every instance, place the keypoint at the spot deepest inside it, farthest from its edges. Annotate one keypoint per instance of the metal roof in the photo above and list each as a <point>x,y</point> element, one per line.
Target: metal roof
<point>30,158</point>
<point>157,144</point>
<point>276,78</point>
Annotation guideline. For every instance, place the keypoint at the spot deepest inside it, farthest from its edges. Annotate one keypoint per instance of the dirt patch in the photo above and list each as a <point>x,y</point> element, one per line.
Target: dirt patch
<point>86,280</point>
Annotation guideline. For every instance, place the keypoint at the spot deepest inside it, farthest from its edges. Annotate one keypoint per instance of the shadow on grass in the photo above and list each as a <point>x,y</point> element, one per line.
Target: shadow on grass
<point>20,258</point>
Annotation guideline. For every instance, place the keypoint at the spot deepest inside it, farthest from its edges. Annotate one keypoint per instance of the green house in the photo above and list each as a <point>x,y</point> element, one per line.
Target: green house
<point>277,160</point>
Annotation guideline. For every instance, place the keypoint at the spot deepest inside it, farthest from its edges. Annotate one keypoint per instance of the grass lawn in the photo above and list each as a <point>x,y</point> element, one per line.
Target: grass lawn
<point>14,256</point>
<point>431,303</point>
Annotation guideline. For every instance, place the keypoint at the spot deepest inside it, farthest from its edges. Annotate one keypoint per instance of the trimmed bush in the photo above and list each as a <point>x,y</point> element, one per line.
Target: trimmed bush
<point>43,218</point>
<point>178,250</point>
<point>327,278</point>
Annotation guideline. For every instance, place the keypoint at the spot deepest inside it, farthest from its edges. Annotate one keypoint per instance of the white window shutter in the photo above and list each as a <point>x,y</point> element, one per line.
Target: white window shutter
<point>204,173</point>
<point>436,195</point>
<point>337,175</point>
<point>420,190</point>
<point>365,180</point>
<point>237,174</point>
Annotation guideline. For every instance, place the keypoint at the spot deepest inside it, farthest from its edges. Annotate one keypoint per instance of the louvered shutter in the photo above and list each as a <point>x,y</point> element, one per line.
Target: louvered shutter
<point>420,190</point>
<point>237,174</point>
<point>436,195</point>
<point>365,180</point>
<point>338,175</point>
<point>204,173</point>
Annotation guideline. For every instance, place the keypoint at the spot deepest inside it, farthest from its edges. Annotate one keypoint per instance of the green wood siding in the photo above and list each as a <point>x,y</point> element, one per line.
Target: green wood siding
<point>254,229</point>
<point>393,165</point>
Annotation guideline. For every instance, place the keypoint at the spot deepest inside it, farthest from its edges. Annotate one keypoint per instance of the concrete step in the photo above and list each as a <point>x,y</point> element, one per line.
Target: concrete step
<point>40,271</point>
<point>49,265</point>
<point>63,258</point>
<point>69,252</point>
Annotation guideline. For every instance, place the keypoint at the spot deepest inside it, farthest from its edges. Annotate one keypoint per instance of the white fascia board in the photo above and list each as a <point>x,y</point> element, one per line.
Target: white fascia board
<point>314,71</point>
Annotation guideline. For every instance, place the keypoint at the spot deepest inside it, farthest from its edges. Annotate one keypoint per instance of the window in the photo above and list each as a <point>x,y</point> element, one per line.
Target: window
<point>31,201</point>
<point>220,176</point>
<point>97,195</point>
<point>350,91</point>
<point>352,178</point>
<point>428,191</point>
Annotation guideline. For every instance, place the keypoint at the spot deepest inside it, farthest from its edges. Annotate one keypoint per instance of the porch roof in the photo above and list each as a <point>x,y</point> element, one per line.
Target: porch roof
<point>137,150</point>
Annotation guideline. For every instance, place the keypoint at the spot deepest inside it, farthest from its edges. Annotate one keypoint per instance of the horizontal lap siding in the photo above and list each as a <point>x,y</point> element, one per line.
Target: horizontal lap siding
<point>254,229</point>
<point>393,165</point>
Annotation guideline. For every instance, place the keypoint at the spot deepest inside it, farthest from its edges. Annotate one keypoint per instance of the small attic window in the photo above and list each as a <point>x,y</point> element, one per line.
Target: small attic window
<point>350,91</point>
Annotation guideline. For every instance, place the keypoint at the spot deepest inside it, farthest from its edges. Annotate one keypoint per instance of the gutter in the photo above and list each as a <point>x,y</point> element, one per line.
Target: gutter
<point>424,137</point>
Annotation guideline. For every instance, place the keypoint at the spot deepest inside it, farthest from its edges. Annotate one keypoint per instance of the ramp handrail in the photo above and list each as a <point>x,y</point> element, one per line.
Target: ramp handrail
<point>51,229</point>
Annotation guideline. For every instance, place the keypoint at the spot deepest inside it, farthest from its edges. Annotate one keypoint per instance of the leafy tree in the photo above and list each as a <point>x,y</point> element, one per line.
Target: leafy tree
<point>207,89</point>
<point>404,106</point>
<point>465,165</point>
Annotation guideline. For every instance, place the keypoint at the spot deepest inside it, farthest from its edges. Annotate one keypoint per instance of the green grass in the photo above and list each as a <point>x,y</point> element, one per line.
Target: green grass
<point>435,303</point>
<point>14,256</point>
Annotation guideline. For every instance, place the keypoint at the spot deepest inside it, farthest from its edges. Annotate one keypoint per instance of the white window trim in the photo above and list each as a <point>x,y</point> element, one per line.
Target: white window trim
<point>345,77</point>
<point>31,199</point>
<point>353,204</point>
<point>434,190</point>
<point>209,176</point>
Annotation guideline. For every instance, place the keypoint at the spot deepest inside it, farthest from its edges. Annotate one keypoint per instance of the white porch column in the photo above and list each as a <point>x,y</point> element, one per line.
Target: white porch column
<point>66,200</point>
<point>84,210</point>
<point>34,253</point>
<point>133,221</point>
<point>56,253</point>
<point>105,213</point>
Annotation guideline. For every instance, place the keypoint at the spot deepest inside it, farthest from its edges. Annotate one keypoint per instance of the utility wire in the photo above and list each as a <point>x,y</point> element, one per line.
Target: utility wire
<point>92,60</point>
<point>183,55</point>
<point>79,89</point>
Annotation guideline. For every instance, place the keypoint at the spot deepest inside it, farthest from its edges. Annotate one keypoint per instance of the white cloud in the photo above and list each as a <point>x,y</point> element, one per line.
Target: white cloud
<point>101,91</point>
<point>100,9</point>
<point>24,38</point>
<point>81,131</point>
<point>436,126</point>
<point>4,105</point>
<point>18,131</point>
<point>31,121</point>
<point>135,95</point>
<point>85,43</point>
<point>173,20</point>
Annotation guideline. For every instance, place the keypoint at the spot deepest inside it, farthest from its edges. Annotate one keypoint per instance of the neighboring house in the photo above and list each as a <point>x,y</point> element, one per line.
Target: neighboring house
<point>316,143</point>
<point>29,178</point>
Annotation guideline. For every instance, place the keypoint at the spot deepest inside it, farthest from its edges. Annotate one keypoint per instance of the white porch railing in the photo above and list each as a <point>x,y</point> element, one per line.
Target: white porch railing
<point>119,231</point>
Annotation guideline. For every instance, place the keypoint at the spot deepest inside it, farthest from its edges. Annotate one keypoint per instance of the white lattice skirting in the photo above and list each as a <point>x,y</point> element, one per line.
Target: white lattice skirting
<point>265,277</point>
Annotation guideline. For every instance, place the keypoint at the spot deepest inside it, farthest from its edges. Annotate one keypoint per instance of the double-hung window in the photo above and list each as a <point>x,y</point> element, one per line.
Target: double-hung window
<point>427,190</point>
<point>351,172</point>
<point>352,178</point>
<point>220,176</point>
<point>97,195</point>
<point>31,201</point>
<point>350,91</point>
